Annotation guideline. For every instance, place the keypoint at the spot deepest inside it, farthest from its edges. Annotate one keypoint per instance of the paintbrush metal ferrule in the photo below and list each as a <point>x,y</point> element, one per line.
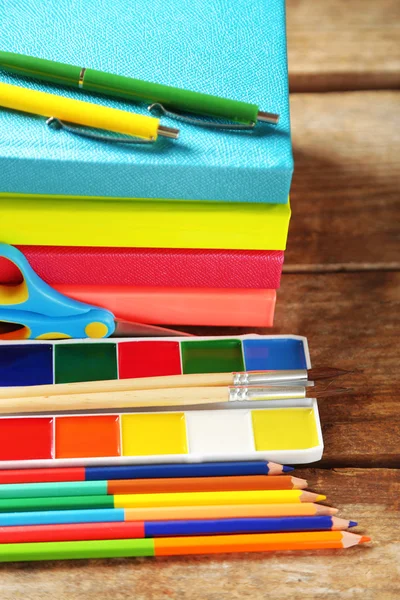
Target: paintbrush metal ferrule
<point>280,392</point>
<point>251,394</point>
<point>261,378</point>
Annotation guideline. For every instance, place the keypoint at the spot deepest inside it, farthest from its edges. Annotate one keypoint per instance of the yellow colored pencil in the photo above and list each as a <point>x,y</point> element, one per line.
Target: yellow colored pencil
<point>231,511</point>
<point>163,500</point>
<point>215,498</point>
<point>82,113</point>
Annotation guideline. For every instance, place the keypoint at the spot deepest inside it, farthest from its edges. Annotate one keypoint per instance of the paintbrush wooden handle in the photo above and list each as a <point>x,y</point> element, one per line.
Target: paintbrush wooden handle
<point>179,397</point>
<point>113,400</point>
<point>256,378</point>
<point>120,385</point>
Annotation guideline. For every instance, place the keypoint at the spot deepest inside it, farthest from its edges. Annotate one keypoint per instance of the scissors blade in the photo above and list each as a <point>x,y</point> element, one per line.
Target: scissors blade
<point>130,329</point>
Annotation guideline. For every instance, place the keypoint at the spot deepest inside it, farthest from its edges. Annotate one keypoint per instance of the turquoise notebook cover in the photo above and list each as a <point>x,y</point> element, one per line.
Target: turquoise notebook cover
<point>229,48</point>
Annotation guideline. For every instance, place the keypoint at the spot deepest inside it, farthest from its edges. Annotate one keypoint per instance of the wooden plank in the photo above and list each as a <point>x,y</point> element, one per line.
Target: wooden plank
<point>342,45</point>
<point>345,194</point>
<point>351,321</point>
<point>360,572</point>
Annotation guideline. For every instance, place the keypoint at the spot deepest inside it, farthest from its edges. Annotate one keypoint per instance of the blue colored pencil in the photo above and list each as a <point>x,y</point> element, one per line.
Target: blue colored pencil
<point>249,525</point>
<point>206,469</point>
<point>154,529</point>
<point>58,517</point>
<point>210,469</point>
<point>191,513</point>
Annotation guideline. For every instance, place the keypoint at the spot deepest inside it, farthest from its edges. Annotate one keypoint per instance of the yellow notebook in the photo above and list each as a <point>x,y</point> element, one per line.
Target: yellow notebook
<point>92,221</point>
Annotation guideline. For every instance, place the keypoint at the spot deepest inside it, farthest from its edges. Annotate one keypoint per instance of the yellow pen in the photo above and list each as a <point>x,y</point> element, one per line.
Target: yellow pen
<point>83,113</point>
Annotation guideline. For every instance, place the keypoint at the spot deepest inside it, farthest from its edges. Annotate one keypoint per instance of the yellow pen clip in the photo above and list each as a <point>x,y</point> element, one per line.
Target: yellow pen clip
<point>99,137</point>
<point>83,113</point>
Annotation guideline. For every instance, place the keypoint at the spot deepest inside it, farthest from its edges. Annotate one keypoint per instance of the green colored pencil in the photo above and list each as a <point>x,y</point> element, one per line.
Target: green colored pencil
<point>181,546</point>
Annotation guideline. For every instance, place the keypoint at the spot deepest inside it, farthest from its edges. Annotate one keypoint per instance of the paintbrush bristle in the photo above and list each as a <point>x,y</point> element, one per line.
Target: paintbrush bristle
<point>326,373</point>
<point>315,393</point>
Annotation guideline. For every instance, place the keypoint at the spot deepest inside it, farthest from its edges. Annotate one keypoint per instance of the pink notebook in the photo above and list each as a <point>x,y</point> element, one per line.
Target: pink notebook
<point>151,267</point>
<point>180,306</point>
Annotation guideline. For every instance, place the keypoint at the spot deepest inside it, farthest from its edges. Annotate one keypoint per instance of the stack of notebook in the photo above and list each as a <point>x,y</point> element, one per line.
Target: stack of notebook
<point>186,231</point>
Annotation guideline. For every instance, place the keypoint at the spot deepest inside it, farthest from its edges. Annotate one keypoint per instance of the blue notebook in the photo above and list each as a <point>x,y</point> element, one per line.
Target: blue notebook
<point>234,49</point>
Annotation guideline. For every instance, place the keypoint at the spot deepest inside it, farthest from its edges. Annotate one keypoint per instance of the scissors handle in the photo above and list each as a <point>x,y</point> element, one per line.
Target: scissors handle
<point>33,294</point>
<point>40,312</point>
<point>93,324</point>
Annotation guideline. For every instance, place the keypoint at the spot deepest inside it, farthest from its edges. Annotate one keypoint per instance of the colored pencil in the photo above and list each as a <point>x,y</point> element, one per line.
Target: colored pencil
<point>119,515</point>
<point>190,396</point>
<point>151,486</point>
<point>263,542</point>
<point>174,381</point>
<point>206,469</point>
<point>162,499</point>
<point>150,529</point>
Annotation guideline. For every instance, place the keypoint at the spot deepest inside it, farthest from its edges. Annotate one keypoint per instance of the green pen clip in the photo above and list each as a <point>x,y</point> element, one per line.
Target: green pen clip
<point>156,106</point>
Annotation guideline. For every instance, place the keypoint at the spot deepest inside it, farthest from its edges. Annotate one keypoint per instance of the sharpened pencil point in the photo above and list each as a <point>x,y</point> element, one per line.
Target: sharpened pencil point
<point>353,523</point>
<point>365,539</point>
<point>320,497</point>
<point>298,483</point>
<point>286,469</point>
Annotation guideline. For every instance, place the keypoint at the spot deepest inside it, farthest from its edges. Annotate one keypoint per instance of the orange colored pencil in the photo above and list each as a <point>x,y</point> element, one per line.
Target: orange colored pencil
<point>205,484</point>
<point>228,512</point>
<point>263,542</point>
<point>219,544</point>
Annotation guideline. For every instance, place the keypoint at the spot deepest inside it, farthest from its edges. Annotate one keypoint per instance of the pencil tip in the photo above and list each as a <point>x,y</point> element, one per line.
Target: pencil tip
<point>365,539</point>
<point>286,469</point>
<point>320,497</point>
<point>353,523</point>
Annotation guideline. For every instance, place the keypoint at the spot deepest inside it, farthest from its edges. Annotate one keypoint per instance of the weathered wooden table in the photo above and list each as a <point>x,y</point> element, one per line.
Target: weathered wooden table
<point>341,289</point>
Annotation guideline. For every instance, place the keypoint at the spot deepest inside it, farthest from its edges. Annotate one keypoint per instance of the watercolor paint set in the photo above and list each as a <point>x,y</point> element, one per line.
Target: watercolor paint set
<point>285,431</point>
<point>67,361</point>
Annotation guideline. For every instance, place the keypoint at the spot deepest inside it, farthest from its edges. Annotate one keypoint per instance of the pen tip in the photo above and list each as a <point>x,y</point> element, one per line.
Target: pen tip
<point>267,117</point>
<point>168,132</point>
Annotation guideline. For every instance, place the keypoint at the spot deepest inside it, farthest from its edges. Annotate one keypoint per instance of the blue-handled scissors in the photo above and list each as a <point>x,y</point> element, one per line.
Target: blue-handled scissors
<point>32,309</point>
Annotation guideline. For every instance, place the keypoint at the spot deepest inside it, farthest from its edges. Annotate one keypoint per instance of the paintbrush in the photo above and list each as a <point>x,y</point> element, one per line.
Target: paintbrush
<point>251,378</point>
<point>161,397</point>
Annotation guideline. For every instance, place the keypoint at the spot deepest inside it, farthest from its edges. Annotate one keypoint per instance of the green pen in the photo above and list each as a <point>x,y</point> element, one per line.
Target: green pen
<point>162,96</point>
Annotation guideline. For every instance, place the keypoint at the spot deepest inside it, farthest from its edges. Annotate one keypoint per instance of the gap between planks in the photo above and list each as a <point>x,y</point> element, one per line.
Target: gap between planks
<point>337,45</point>
<point>340,268</point>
